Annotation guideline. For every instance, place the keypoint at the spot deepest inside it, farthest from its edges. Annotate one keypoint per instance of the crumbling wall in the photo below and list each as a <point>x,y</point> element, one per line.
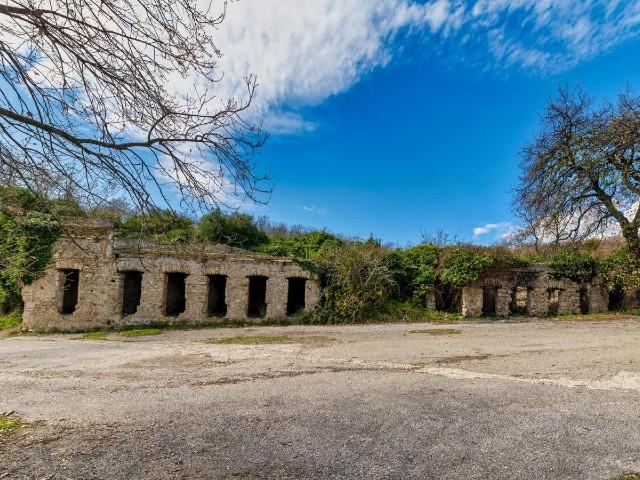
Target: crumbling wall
<point>598,299</point>
<point>540,287</point>
<point>472,298</point>
<point>103,261</point>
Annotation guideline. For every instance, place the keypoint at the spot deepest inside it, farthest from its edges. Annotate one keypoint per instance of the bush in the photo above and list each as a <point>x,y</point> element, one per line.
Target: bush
<point>358,280</point>
<point>416,271</point>
<point>237,230</point>
<point>303,246</point>
<point>620,270</point>
<point>460,266</point>
<point>27,233</point>
<point>163,226</point>
<point>574,265</point>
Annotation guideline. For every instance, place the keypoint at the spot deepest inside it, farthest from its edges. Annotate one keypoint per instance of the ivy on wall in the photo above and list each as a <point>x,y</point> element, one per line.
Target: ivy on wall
<point>28,230</point>
<point>574,265</point>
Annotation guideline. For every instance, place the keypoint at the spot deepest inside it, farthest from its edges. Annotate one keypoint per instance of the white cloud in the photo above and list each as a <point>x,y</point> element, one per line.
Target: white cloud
<point>314,209</point>
<point>501,230</point>
<point>305,52</point>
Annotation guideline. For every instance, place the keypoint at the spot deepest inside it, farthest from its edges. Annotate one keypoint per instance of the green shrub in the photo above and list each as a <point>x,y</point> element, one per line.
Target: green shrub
<point>416,271</point>
<point>462,266</point>
<point>163,226</point>
<point>358,281</point>
<point>303,246</point>
<point>620,270</point>
<point>27,233</point>
<point>574,265</point>
<point>237,230</point>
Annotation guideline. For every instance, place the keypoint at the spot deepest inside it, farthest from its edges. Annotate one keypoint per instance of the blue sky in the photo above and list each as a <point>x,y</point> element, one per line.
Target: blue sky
<point>421,131</point>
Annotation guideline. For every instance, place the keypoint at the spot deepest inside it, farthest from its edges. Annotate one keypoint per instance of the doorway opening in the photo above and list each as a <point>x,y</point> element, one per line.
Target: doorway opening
<point>70,287</point>
<point>489,296</point>
<point>132,292</point>
<point>216,304</point>
<point>296,295</point>
<point>175,301</point>
<point>257,297</point>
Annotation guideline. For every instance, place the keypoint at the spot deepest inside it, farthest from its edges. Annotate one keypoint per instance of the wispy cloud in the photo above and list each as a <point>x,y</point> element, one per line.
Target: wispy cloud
<point>305,52</point>
<point>314,209</point>
<point>500,230</point>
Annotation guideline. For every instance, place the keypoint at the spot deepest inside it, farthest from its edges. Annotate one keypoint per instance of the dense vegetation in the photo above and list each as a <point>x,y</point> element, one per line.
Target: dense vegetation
<point>28,229</point>
<point>362,279</point>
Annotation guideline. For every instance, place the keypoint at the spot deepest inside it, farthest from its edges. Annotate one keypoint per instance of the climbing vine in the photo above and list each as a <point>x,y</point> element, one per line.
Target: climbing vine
<point>574,265</point>
<point>28,229</point>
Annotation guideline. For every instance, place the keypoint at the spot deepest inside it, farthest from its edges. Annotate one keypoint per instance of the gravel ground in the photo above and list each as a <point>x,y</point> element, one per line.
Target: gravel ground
<point>528,400</point>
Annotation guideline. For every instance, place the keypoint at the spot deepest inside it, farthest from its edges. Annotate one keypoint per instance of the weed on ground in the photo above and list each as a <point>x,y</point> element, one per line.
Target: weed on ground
<point>93,336</point>
<point>8,423</point>
<point>10,320</point>
<point>140,332</point>
<point>438,331</point>
<point>598,316</point>
<point>251,340</point>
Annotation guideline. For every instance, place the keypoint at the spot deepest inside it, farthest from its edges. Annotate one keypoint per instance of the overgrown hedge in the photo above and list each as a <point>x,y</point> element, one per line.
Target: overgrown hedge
<point>361,278</point>
<point>28,229</point>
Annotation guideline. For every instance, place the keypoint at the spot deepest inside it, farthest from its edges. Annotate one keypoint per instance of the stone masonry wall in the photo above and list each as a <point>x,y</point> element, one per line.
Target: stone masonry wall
<point>539,285</point>
<point>102,261</point>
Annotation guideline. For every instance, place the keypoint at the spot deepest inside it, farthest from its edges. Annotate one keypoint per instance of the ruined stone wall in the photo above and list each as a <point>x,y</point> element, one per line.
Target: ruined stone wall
<point>102,261</point>
<point>544,293</point>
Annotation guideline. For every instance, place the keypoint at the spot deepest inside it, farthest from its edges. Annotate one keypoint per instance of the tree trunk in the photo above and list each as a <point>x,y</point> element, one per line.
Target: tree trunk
<point>632,238</point>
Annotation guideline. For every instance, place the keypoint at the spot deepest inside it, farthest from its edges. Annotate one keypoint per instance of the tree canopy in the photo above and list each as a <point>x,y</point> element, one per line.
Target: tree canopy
<point>581,175</point>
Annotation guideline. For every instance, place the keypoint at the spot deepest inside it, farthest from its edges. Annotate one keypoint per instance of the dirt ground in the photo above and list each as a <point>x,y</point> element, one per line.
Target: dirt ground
<point>527,400</point>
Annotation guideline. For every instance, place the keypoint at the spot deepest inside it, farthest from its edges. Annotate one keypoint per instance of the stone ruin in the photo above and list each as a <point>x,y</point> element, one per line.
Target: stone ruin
<point>532,291</point>
<point>97,280</point>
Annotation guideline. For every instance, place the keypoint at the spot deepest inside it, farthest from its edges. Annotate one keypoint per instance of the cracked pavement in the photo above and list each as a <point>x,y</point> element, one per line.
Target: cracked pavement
<point>537,399</point>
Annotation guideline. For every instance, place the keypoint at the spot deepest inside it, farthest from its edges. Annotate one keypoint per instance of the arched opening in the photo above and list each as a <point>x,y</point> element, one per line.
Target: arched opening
<point>448,298</point>
<point>70,287</point>
<point>584,301</point>
<point>554,301</point>
<point>616,299</point>
<point>518,304</point>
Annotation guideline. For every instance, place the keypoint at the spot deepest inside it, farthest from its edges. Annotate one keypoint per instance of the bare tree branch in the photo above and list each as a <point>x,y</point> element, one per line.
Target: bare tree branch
<point>88,101</point>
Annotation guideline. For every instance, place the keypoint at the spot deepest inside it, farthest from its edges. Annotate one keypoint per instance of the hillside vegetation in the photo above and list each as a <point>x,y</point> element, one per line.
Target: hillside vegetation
<point>362,279</point>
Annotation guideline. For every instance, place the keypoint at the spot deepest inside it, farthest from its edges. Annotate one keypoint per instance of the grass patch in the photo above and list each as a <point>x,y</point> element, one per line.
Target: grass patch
<point>140,332</point>
<point>629,476</point>
<point>598,316</point>
<point>251,340</point>
<point>438,331</point>
<point>8,424</point>
<point>10,320</point>
<point>93,336</point>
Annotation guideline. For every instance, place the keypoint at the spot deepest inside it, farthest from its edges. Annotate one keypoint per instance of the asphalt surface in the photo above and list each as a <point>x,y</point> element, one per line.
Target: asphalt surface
<point>534,400</point>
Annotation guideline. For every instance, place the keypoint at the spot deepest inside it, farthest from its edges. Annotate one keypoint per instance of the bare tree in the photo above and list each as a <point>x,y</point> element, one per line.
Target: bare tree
<point>581,176</point>
<point>88,103</point>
